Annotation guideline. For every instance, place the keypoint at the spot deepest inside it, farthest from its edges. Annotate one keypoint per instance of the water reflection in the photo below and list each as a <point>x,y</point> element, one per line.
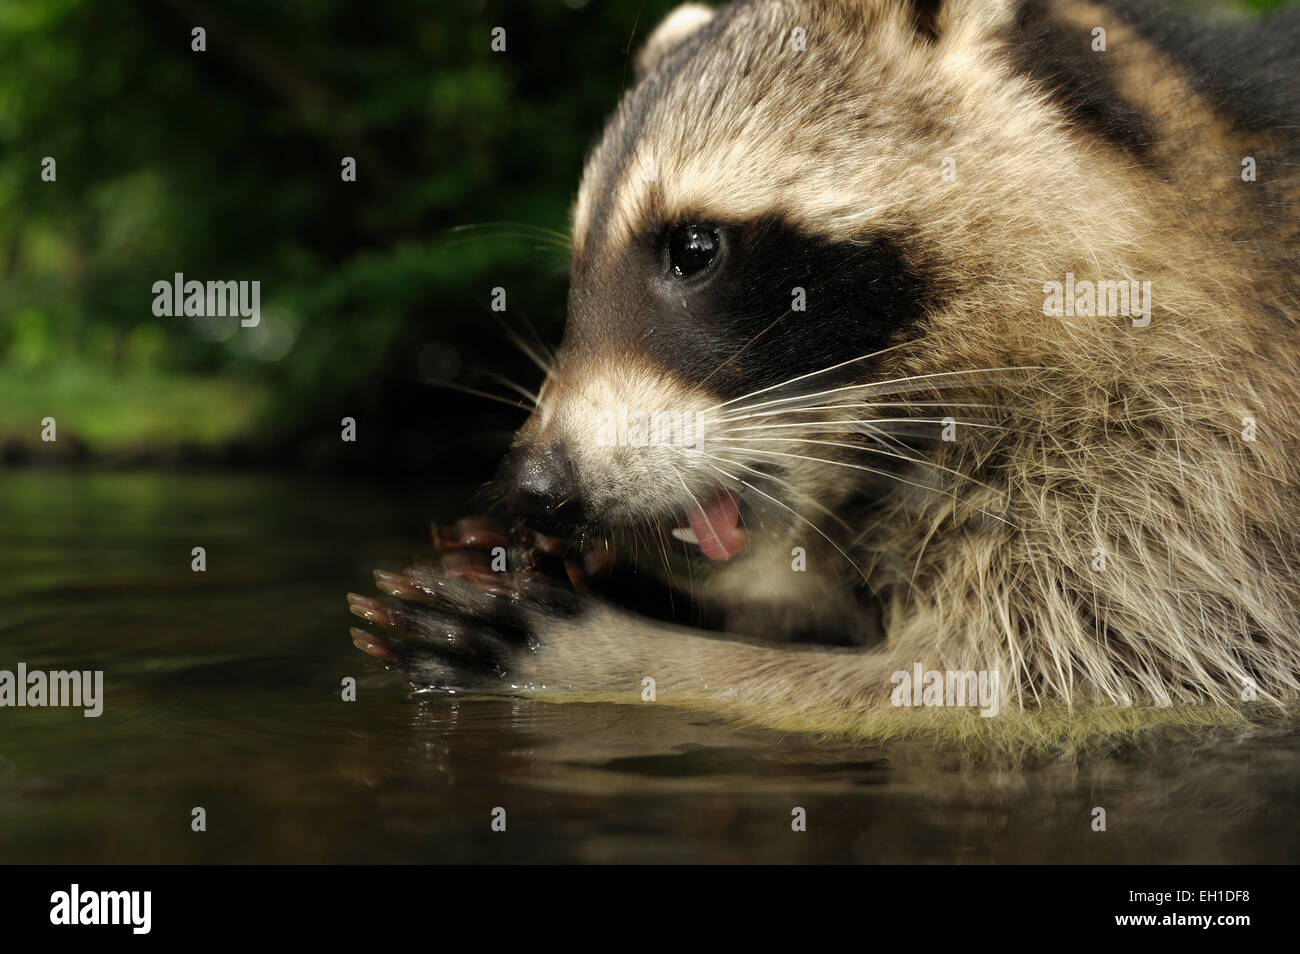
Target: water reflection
<point>223,690</point>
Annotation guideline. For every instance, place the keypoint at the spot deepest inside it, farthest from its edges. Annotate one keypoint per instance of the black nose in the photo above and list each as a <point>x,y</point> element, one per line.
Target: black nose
<point>542,487</point>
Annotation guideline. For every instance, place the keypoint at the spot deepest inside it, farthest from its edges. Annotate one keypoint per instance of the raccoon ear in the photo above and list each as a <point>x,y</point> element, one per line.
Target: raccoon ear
<point>677,26</point>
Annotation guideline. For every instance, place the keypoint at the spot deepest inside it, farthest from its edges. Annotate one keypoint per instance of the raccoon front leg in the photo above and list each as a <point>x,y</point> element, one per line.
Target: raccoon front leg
<point>768,597</point>
<point>523,634</point>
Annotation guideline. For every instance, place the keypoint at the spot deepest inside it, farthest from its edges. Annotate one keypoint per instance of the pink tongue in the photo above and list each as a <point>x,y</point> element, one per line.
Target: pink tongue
<point>715,527</point>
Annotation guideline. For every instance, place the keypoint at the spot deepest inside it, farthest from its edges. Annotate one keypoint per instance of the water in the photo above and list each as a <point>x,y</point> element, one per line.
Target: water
<point>223,691</point>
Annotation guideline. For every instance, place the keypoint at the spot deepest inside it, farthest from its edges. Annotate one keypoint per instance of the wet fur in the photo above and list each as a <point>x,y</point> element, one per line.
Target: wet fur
<point>1123,164</point>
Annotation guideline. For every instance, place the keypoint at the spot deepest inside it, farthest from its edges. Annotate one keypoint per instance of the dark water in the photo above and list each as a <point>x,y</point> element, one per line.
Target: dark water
<point>223,691</point>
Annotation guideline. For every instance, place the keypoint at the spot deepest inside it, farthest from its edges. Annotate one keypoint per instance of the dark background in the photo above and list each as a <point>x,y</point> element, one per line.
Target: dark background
<point>225,164</point>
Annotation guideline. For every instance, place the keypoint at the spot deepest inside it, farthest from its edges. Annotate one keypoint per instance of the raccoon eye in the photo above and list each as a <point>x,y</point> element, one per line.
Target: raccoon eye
<point>691,249</point>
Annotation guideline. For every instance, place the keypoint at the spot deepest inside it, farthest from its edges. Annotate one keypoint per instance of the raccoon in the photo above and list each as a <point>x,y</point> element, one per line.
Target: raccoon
<point>948,338</point>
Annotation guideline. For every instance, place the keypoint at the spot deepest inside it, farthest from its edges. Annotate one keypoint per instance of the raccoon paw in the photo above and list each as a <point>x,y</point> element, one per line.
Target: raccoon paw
<point>463,628</point>
<point>480,548</point>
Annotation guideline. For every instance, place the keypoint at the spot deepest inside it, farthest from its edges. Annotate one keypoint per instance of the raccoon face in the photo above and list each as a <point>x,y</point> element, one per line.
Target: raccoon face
<point>747,254</point>
<point>672,413</point>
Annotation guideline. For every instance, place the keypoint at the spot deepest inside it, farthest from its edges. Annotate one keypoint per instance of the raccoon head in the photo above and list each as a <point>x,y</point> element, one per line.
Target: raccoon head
<point>764,228</point>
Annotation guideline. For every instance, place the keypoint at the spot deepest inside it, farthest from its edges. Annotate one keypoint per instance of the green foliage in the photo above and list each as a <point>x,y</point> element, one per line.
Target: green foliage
<point>225,164</point>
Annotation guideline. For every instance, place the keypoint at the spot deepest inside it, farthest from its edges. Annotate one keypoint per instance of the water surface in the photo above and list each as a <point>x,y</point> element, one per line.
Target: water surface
<point>223,691</point>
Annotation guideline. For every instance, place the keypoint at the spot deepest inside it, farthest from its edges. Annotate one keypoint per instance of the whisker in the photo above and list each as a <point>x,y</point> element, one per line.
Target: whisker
<point>503,380</point>
<point>813,426</point>
<point>856,406</point>
<point>537,231</point>
<point>698,506</point>
<point>779,482</point>
<point>871,470</point>
<point>518,342</point>
<point>811,374</point>
<point>910,380</point>
<point>456,386</point>
<point>867,448</point>
<point>799,516</point>
<point>745,347</point>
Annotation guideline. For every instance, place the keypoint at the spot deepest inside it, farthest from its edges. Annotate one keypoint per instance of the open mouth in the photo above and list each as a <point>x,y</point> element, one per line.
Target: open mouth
<point>714,526</point>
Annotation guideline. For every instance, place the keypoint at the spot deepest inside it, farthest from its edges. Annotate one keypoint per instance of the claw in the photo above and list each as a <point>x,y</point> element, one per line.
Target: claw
<point>395,584</point>
<point>372,645</point>
<point>470,533</point>
<point>370,610</point>
<point>459,623</point>
<point>480,533</point>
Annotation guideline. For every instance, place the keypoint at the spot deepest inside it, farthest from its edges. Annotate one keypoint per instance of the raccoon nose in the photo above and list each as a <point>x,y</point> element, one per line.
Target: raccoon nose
<point>543,488</point>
